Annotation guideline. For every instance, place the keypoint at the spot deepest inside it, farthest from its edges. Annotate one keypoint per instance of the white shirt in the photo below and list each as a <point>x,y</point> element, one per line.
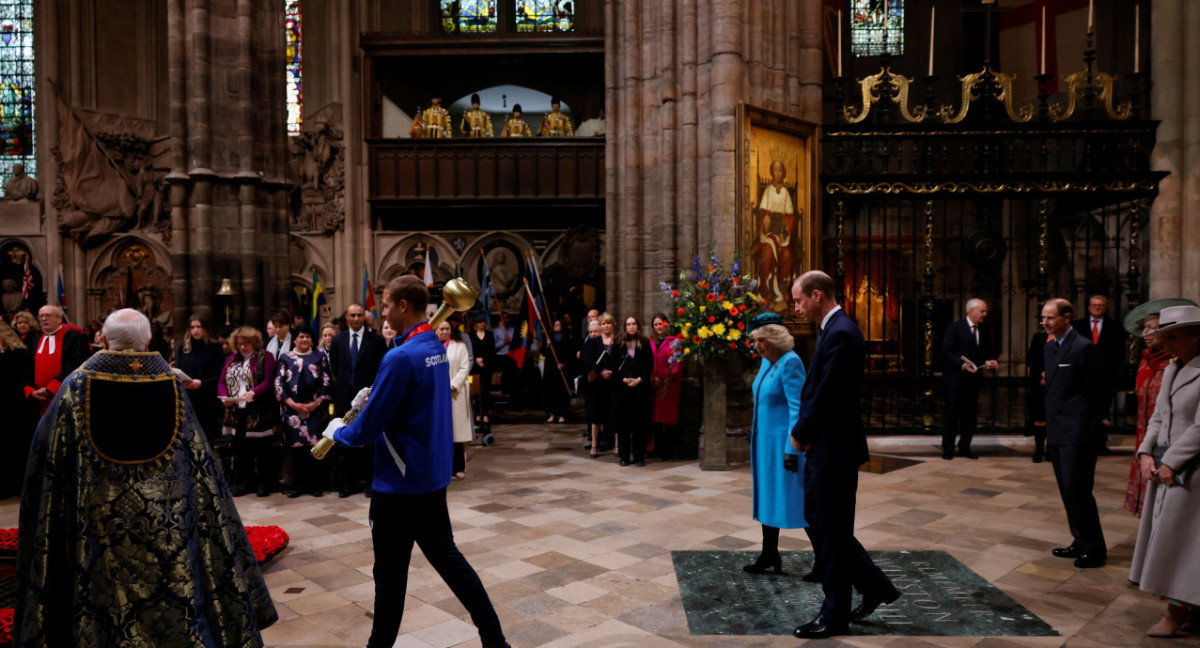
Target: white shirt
<point>828,315</point>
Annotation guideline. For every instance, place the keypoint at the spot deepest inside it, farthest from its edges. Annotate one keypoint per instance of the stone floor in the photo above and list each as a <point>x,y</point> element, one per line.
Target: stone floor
<point>576,552</point>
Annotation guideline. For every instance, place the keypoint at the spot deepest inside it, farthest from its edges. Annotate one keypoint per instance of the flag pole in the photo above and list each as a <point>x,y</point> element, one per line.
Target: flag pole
<point>548,342</point>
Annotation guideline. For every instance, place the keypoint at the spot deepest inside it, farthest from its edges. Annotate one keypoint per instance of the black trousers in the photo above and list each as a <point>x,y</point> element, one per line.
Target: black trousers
<point>356,467</point>
<point>1075,472</point>
<point>962,411</point>
<point>399,521</point>
<point>841,561</point>
<point>631,419</point>
<point>308,474</point>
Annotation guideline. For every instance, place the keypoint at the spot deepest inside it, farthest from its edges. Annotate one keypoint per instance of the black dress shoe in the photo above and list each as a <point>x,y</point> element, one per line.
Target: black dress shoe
<point>819,628</point>
<point>291,493</point>
<point>1067,552</point>
<point>773,562</point>
<point>263,491</point>
<point>344,493</point>
<point>947,454</point>
<point>968,454</point>
<point>811,577</point>
<point>640,463</point>
<point>1087,561</point>
<point>240,490</point>
<point>1038,457</point>
<point>624,463</point>
<point>870,603</point>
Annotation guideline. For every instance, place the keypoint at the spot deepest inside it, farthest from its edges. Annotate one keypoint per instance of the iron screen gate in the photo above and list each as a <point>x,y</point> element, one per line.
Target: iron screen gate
<point>923,211</point>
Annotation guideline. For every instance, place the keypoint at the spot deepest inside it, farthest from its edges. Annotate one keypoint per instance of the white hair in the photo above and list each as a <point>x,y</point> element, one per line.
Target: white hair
<point>127,329</point>
<point>974,303</point>
<point>775,335</point>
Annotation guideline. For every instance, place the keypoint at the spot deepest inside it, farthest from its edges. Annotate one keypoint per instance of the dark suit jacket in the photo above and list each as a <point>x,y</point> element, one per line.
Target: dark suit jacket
<point>959,343</point>
<point>1076,391</point>
<point>1112,340</point>
<point>347,379</point>
<point>75,350</point>
<point>829,416</point>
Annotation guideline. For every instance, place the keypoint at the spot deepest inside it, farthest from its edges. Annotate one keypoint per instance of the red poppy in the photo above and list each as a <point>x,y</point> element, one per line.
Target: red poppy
<point>711,297</point>
<point>711,319</point>
<point>733,345</point>
<point>742,308</point>
<point>695,339</point>
<point>733,312</point>
<point>682,310</point>
<point>674,293</point>
<point>741,326</point>
<point>681,337</point>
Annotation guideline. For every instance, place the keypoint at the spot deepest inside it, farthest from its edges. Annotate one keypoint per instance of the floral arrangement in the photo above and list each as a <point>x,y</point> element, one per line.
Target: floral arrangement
<point>711,310</point>
<point>266,541</point>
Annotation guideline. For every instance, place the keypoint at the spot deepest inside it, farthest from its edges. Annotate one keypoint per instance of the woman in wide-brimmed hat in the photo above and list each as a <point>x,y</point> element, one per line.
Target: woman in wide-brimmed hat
<point>1143,322</point>
<point>1167,556</point>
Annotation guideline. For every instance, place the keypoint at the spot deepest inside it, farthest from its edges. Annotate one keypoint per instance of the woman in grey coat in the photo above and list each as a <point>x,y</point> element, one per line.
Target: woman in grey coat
<point>1167,556</point>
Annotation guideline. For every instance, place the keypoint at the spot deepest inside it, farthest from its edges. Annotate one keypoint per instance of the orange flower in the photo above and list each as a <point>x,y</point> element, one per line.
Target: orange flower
<point>711,297</point>
<point>681,310</point>
<point>695,339</point>
<point>703,284</point>
<point>733,312</point>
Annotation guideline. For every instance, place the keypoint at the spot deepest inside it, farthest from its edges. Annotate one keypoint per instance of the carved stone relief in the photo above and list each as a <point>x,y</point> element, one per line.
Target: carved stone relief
<point>317,169</point>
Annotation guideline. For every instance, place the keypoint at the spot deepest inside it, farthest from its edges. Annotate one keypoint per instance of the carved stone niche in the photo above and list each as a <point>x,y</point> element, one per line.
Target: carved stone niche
<point>317,171</point>
<point>151,282</point>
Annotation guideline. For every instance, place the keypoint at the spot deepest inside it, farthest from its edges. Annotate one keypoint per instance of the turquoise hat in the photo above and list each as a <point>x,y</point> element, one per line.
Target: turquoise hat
<point>763,320</point>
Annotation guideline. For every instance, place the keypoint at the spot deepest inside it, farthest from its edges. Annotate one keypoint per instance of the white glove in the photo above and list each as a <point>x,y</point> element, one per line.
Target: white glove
<point>332,427</point>
<point>360,399</point>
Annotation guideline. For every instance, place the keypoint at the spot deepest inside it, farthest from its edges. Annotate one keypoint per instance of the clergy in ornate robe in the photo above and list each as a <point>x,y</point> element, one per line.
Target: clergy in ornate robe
<point>128,534</point>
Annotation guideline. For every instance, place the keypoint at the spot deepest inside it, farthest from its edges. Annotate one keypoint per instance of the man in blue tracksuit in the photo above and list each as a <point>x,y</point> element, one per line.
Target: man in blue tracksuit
<point>408,418</point>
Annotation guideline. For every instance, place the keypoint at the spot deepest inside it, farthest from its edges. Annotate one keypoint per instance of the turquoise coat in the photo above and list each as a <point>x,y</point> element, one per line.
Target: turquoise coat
<point>778,494</point>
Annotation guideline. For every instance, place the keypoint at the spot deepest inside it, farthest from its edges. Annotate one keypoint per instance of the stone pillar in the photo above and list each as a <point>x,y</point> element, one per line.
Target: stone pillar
<point>227,167</point>
<point>1174,260</point>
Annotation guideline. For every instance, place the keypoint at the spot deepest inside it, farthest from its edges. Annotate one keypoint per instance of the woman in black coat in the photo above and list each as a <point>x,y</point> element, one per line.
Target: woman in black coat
<point>200,357</point>
<point>483,349</point>
<point>559,372</point>
<point>596,366</point>
<point>632,394</point>
<point>19,419</point>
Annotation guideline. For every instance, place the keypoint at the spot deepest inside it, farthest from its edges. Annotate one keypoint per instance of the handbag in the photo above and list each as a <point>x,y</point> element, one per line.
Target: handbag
<point>1181,475</point>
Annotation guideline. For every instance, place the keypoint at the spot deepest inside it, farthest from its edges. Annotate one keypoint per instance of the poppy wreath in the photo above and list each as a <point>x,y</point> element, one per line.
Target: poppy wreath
<point>711,308</point>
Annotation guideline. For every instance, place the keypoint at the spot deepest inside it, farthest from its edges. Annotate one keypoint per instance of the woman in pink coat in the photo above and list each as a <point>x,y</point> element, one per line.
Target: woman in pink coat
<point>665,379</point>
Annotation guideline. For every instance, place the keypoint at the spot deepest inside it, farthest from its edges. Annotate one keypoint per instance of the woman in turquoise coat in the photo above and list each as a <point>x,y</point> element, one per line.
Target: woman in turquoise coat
<point>778,492</point>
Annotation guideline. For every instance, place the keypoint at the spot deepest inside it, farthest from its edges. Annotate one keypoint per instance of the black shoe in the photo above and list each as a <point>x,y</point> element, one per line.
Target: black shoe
<point>819,628</point>
<point>624,463</point>
<point>1067,552</point>
<point>240,490</point>
<point>947,454</point>
<point>263,491</point>
<point>811,577</point>
<point>291,494</point>
<point>1086,561</point>
<point>344,493</point>
<point>640,464</point>
<point>318,493</point>
<point>968,454</point>
<point>369,492</point>
<point>1038,457</point>
<point>870,603</point>
<point>773,562</point>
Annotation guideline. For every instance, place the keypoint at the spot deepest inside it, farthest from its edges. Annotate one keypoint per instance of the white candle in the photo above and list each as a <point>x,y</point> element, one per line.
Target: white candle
<point>1091,6</point>
<point>1137,36</point>
<point>839,44</point>
<point>932,15</point>
<point>1043,68</point>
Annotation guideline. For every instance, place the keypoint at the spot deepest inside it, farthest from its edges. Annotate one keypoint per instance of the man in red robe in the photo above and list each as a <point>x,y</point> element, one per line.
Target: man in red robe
<point>57,351</point>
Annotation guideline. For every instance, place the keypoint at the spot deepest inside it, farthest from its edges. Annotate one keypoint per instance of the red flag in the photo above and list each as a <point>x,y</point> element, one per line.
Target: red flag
<point>527,330</point>
<point>130,289</point>
<point>26,281</point>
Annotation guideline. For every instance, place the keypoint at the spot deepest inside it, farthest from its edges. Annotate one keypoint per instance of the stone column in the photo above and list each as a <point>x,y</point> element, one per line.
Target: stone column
<point>1174,260</point>
<point>227,169</point>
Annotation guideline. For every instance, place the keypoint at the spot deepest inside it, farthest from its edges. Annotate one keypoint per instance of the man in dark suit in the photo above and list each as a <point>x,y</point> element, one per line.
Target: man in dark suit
<point>968,351</point>
<point>354,356</point>
<point>1076,400</point>
<point>57,350</point>
<point>1107,334</point>
<point>829,431</point>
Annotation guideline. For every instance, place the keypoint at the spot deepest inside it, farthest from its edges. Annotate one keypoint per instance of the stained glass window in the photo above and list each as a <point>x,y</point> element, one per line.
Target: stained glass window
<point>545,15</point>
<point>875,24</point>
<point>16,87</point>
<point>295,82</point>
<point>469,15</point>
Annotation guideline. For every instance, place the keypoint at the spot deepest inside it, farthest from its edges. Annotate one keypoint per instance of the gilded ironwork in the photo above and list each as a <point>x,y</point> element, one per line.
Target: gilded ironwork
<point>1043,238</point>
<point>1077,89</point>
<point>1028,187</point>
<point>971,91</point>
<point>884,86</point>
<point>840,212</point>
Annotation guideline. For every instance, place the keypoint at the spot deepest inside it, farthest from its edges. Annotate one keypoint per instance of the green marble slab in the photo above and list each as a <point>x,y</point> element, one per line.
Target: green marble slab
<point>941,597</point>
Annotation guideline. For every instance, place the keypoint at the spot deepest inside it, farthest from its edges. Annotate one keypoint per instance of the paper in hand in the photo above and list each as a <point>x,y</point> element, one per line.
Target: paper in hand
<point>969,364</point>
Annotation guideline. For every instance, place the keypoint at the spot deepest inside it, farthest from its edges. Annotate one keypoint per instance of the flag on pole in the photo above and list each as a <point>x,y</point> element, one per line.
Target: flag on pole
<point>26,281</point>
<point>318,301</point>
<point>485,292</point>
<point>427,275</point>
<point>527,330</point>
<point>368,299</point>
<point>60,293</point>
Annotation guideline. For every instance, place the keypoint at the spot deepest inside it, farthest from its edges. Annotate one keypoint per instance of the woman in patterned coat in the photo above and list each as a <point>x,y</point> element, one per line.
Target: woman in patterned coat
<point>302,388</point>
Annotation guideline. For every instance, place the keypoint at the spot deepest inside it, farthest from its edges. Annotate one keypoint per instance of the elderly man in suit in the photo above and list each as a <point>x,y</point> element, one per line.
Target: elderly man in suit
<point>829,431</point>
<point>1076,400</point>
<point>1107,334</point>
<point>968,350</point>
<point>354,357</point>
